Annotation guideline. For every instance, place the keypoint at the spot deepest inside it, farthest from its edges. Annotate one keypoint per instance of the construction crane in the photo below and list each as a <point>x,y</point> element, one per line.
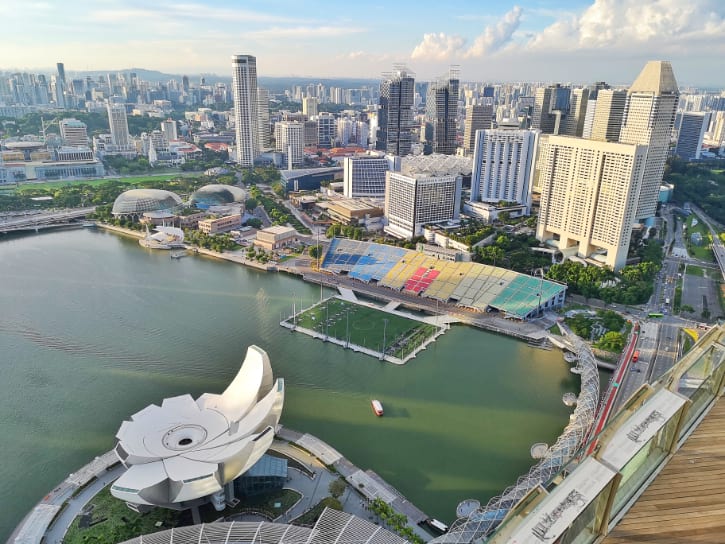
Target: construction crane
<point>44,126</point>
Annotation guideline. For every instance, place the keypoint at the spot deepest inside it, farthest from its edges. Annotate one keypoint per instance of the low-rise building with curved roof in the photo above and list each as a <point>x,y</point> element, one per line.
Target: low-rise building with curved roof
<point>135,202</point>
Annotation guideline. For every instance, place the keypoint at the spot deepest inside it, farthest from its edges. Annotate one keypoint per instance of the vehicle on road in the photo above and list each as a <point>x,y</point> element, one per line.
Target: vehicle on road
<point>635,357</point>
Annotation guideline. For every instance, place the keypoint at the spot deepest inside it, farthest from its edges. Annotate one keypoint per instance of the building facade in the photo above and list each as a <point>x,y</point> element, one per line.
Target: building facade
<point>244,92</point>
<point>442,112</point>
<point>412,201</point>
<point>690,135</point>
<point>477,118</point>
<point>503,165</point>
<point>118,124</point>
<point>589,196</point>
<point>220,224</point>
<point>607,118</point>
<point>395,115</point>
<point>364,176</point>
<point>649,117</point>
<point>289,139</point>
<point>74,133</point>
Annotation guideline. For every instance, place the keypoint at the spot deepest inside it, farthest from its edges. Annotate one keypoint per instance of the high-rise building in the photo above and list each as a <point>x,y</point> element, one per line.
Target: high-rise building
<point>74,133</point>
<point>413,200</point>
<point>309,106</point>
<point>289,139</point>
<point>551,104</point>
<point>503,164</point>
<point>442,112</point>
<point>365,176</point>
<point>263,118</point>
<point>573,123</point>
<point>690,134</point>
<point>649,117</point>
<point>395,115</point>
<point>244,91</point>
<point>310,133</point>
<point>169,130</point>
<point>589,195</point>
<point>607,119</point>
<point>326,130</point>
<point>477,118</point>
<point>118,124</point>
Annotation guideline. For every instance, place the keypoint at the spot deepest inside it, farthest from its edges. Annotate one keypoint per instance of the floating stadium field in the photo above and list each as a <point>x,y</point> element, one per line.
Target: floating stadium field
<point>366,328</point>
<point>471,285</point>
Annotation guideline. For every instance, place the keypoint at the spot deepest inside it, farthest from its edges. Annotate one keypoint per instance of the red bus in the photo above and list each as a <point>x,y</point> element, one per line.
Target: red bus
<point>635,357</point>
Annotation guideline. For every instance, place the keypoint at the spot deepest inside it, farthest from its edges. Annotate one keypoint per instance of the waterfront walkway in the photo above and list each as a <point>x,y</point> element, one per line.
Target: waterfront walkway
<point>50,519</point>
<point>686,502</point>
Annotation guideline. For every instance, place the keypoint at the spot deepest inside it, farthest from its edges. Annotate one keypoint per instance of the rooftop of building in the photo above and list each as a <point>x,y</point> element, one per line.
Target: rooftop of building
<point>657,77</point>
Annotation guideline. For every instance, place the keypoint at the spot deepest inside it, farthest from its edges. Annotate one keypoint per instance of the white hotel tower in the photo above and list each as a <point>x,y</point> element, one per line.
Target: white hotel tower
<point>244,89</point>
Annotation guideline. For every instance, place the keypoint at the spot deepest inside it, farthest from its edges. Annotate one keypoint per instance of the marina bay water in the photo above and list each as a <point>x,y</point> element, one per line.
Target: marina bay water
<point>93,328</point>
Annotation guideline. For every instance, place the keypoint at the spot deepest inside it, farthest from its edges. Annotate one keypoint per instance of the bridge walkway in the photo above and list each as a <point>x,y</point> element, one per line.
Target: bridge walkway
<point>686,502</point>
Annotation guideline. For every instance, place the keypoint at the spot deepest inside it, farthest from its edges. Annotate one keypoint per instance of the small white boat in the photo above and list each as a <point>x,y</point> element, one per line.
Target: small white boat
<point>377,407</point>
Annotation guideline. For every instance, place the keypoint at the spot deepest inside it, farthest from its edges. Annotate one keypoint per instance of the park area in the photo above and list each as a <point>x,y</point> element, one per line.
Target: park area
<point>365,326</point>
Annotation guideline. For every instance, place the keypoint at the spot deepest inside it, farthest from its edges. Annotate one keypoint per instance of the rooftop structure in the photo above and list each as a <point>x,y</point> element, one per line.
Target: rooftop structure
<point>471,285</point>
<point>185,450</point>
<point>137,201</point>
<point>216,195</point>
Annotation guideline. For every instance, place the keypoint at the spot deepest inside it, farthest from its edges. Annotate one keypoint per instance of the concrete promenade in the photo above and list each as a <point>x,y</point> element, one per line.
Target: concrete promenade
<point>50,519</point>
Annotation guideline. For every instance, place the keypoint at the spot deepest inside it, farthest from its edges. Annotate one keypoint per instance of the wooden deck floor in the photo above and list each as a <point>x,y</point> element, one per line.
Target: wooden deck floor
<point>686,502</point>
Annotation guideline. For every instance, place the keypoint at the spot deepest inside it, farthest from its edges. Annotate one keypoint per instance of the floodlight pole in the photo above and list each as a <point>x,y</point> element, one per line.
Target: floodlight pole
<point>385,326</point>
<point>347,328</point>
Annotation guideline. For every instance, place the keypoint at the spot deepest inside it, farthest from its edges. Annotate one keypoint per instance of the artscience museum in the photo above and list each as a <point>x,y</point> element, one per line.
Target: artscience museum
<point>188,452</point>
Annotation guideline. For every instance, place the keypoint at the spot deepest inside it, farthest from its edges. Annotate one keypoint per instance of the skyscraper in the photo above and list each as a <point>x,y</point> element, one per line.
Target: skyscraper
<point>607,119</point>
<point>649,116</point>
<point>589,194</point>
<point>118,124</point>
<point>551,104</point>
<point>365,176</point>
<point>244,90</point>
<point>289,138</point>
<point>477,118</point>
<point>690,134</point>
<point>503,165</point>
<point>309,106</point>
<point>442,111</point>
<point>263,118</point>
<point>573,122</point>
<point>395,116</point>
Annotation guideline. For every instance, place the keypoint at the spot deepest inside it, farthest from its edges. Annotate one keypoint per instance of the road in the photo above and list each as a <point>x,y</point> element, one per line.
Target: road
<point>45,218</point>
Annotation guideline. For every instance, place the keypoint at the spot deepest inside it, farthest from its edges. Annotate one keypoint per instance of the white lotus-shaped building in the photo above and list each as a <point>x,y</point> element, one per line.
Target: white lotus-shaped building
<point>184,449</point>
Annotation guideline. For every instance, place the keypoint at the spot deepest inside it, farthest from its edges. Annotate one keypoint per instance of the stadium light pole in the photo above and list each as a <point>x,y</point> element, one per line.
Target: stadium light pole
<point>347,327</point>
<point>385,327</point>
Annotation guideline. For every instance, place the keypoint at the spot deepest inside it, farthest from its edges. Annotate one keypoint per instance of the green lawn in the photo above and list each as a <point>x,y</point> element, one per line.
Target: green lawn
<point>29,186</point>
<point>364,326</point>
<point>111,521</point>
<point>693,270</point>
<point>702,251</point>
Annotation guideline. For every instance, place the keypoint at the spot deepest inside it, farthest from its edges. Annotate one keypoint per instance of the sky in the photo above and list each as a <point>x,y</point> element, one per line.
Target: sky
<point>577,41</point>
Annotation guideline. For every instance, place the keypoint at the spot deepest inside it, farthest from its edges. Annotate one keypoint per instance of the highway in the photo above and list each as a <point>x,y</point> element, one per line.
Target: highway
<point>32,221</point>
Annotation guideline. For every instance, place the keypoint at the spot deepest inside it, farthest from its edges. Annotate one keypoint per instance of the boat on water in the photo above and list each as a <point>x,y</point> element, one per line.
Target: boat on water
<point>163,238</point>
<point>377,407</point>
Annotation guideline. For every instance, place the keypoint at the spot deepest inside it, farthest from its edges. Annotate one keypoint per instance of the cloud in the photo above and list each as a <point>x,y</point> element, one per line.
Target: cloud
<point>442,46</point>
<point>438,46</point>
<point>496,36</point>
<point>622,24</point>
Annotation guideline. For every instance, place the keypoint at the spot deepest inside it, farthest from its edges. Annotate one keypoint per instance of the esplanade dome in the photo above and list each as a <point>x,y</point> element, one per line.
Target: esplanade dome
<point>138,201</point>
<point>216,195</point>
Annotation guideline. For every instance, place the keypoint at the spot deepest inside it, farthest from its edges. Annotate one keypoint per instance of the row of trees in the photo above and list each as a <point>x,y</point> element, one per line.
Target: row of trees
<point>397,522</point>
<point>700,183</point>
<point>215,242</point>
<point>347,231</point>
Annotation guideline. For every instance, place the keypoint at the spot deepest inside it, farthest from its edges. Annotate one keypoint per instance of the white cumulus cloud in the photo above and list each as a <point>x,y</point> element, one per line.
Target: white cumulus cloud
<point>496,36</point>
<point>439,46</point>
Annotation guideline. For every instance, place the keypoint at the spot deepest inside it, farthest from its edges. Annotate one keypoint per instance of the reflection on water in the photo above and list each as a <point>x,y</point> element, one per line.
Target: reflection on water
<point>93,328</point>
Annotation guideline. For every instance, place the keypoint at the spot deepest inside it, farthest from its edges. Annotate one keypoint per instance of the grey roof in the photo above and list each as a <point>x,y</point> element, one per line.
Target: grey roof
<point>657,77</point>
<point>138,201</point>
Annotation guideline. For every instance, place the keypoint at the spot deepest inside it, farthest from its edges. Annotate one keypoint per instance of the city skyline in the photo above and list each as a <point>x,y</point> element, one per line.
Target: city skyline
<point>536,40</point>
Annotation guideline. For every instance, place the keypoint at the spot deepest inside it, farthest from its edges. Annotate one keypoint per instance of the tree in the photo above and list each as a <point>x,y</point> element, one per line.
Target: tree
<point>315,251</point>
<point>337,487</point>
<point>250,204</point>
<point>612,341</point>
